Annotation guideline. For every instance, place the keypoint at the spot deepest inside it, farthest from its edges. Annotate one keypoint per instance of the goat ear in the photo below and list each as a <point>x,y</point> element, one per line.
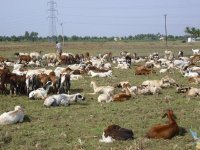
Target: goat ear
<point>164,115</point>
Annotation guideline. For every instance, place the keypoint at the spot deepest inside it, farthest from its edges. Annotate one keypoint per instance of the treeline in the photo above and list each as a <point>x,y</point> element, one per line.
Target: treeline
<point>34,36</point>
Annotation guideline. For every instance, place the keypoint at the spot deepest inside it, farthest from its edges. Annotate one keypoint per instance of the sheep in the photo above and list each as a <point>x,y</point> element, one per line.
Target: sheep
<point>115,132</point>
<point>11,117</point>
<point>63,99</point>
<point>100,74</point>
<point>41,93</point>
<point>101,89</point>
<point>166,131</point>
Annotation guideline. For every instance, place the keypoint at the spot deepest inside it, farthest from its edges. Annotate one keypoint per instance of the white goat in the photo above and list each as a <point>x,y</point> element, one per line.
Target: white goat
<point>50,57</point>
<point>11,117</point>
<point>107,139</point>
<point>195,51</point>
<point>100,74</point>
<point>41,93</point>
<point>153,83</point>
<point>193,92</point>
<point>105,97</point>
<point>63,99</point>
<point>101,89</point>
<point>123,65</point>
<point>36,55</point>
<point>75,77</point>
<point>18,66</point>
<point>191,74</point>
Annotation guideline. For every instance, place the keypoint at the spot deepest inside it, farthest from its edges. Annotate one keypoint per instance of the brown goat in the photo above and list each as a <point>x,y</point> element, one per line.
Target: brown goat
<point>54,80</point>
<point>2,59</point>
<point>3,79</point>
<point>194,59</point>
<point>43,78</point>
<point>195,80</point>
<point>24,58</point>
<point>166,131</point>
<point>118,133</point>
<point>87,56</point>
<point>142,70</point>
<point>120,97</point>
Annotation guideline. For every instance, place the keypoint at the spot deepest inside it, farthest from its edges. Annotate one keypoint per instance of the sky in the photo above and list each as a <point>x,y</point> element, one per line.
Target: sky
<point>99,17</point>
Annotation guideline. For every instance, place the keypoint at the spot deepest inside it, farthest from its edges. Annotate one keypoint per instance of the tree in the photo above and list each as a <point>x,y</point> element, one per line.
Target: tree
<point>33,36</point>
<point>26,35</point>
<point>192,31</point>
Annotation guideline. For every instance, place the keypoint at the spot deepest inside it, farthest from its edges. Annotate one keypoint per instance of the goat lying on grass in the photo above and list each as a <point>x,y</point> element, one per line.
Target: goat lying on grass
<point>100,74</point>
<point>120,97</point>
<point>193,92</point>
<point>41,93</point>
<point>166,131</point>
<point>63,99</point>
<point>115,132</point>
<point>11,117</point>
<point>101,89</point>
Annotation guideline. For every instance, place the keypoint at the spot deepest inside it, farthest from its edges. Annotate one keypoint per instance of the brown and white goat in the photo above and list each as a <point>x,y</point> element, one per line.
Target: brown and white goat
<point>166,131</point>
<point>120,97</point>
<point>115,132</point>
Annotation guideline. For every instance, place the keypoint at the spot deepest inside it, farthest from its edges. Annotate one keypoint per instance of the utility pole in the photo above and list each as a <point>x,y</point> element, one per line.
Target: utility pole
<point>52,19</point>
<point>61,24</point>
<point>166,28</point>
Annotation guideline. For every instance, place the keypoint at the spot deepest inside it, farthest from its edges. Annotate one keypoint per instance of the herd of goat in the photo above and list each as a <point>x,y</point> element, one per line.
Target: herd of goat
<point>19,78</point>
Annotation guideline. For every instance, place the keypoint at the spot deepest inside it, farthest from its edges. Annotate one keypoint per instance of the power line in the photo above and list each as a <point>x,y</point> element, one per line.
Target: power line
<point>166,28</point>
<point>52,19</point>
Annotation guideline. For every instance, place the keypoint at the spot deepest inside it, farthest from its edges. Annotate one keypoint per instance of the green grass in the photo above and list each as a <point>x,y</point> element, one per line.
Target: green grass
<point>62,127</point>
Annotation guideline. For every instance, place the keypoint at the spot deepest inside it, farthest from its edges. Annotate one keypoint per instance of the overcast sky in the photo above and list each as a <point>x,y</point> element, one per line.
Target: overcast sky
<point>99,17</point>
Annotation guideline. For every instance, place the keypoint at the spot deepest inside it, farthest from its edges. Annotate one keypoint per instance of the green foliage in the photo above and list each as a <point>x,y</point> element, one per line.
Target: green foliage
<point>194,32</point>
<point>33,36</point>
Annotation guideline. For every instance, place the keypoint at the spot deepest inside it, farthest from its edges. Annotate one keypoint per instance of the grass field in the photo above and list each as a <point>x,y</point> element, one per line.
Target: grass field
<point>64,127</point>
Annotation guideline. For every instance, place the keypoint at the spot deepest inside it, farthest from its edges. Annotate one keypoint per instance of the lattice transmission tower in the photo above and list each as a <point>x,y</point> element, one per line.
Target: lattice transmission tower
<point>52,20</point>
